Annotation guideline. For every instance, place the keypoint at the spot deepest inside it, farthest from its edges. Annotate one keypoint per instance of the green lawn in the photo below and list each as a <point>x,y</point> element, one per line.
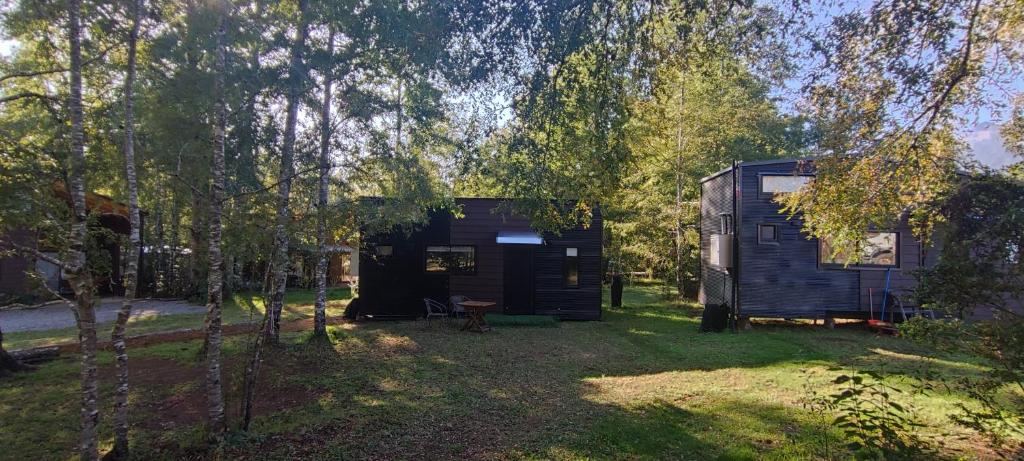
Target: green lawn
<point>241,307</point>
<point>641,384</point>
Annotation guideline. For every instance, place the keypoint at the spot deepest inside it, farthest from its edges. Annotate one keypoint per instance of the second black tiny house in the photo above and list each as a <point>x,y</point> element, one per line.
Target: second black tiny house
<point>484,255</point>
<point>758,261</point>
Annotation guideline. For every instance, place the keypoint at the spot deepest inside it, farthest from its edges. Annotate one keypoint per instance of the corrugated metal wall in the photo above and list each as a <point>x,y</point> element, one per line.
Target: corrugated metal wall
<point>715,199</point>
<point>784,279</point>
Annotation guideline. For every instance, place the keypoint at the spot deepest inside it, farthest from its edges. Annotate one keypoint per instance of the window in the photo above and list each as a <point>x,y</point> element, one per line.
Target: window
<point>879,249</point>
<point>767,233</point>
<point>782,184</point>
<point>572,267</point>
<point>456,260</point>
<point>383,250</point>
<point>726,223</point>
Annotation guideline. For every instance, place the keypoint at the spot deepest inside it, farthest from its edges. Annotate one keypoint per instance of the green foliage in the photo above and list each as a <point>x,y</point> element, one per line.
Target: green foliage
<point>982,236</point>
<point>699,119</point>
<point>996,409</point>
<point>891,105</point>
<point>874,424</point>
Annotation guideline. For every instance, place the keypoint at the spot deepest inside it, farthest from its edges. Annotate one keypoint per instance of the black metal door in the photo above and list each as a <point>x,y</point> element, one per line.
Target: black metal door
<point>518,279</point>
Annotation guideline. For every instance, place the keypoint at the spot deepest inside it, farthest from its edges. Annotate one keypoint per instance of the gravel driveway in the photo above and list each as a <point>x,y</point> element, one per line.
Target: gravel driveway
<point>59,315</point>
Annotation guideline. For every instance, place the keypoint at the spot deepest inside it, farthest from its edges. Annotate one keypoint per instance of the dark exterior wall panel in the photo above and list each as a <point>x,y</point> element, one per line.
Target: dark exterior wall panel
<point>716,199</point>
<point>396,285</point>
<point>784,279</point>
<point>479,227</point>
<point>13,280</point>
<point>552,296</point>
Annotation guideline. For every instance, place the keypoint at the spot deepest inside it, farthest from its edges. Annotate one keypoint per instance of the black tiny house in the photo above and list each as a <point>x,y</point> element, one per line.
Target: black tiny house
<point>485,255</point>
<point>761,264</point>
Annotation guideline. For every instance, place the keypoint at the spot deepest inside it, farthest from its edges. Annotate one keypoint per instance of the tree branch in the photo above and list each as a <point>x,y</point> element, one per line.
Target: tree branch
<point>961,73</point>
<point>28,94</point>
<point>57,70</point>
<point>33,252</point>
<point>271,186</point>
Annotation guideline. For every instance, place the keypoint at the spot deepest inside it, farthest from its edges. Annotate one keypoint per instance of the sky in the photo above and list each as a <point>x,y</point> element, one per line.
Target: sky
<point>987,146</point>
<point>982,135</point>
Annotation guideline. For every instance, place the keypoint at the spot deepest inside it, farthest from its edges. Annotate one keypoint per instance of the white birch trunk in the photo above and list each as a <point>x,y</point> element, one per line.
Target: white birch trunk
<point>296,74</point>
<point>76,269</point>
<point>117,337</point>
<point>320,308</point>
<point>216,425</point>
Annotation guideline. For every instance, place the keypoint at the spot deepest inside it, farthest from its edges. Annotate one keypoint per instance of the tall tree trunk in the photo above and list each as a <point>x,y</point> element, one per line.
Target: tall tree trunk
<point>680,143</point>
<point>76,269</point>
<point>131,276</point>
<point>214,391</point>
<point>296,79</point>
<point>198,244</point>
<point>159,266</point>
<point>173,283</point>
<point>320,309</point>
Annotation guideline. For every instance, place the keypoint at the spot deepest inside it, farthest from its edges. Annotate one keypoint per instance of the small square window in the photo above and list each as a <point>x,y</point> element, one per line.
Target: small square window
<point>384,250</point>
<point>767,233</point>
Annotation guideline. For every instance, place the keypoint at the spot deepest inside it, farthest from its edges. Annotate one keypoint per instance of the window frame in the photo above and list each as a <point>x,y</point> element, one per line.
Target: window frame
<point>449,252</point>
<point>777,238</point>
<point>760,182</point>
<point>375,251</point>
<point>862,266</point>
<point>565,267</point>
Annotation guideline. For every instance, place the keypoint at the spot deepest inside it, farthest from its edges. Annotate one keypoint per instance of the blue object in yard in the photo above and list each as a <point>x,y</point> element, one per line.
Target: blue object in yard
<point>885,295</point>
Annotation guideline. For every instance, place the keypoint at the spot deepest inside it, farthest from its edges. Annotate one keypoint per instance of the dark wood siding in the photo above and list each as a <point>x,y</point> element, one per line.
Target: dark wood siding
<point>395,286</point>
<point>715,199</point>
<point>784,279</point>
<point>479,227</point>
<point>13,280</point>
<point>552,296</point>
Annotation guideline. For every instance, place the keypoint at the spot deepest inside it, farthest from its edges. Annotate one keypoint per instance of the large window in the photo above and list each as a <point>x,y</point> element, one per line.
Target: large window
<point>444,259</point>
<point>782,184</point>
<point>879,249</point>
<point>572,267</point>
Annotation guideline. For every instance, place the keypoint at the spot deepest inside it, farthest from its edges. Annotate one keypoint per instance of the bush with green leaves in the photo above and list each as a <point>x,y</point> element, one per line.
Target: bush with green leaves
<point>874,425</point>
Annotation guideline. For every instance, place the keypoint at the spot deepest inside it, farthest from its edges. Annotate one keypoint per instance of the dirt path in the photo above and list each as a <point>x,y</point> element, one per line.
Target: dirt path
<point>59,315</point>
<point>190,334</point>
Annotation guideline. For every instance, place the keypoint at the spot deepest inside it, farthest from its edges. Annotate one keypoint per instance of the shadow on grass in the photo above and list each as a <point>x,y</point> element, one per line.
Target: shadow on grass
<point>641,384</point>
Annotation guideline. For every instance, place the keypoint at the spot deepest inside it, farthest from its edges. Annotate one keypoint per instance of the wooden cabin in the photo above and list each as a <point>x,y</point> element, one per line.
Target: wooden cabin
<point>485,255</point>
<point>761,264</point>
<point>15,282</point>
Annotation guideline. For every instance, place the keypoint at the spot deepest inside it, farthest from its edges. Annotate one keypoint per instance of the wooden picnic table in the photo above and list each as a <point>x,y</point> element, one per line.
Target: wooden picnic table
<point>475,311</point>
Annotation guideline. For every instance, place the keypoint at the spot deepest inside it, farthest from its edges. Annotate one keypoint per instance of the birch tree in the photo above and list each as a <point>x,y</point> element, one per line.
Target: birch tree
<point>117,337</point>
<point>214,392</point>
<point>296,79</point>
<point>320,309</point>
<point>75,266</point>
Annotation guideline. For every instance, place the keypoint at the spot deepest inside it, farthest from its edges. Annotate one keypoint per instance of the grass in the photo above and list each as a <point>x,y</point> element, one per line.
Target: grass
<point>502,320</point>
<point>239,308</point>
<point>641,384</point>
